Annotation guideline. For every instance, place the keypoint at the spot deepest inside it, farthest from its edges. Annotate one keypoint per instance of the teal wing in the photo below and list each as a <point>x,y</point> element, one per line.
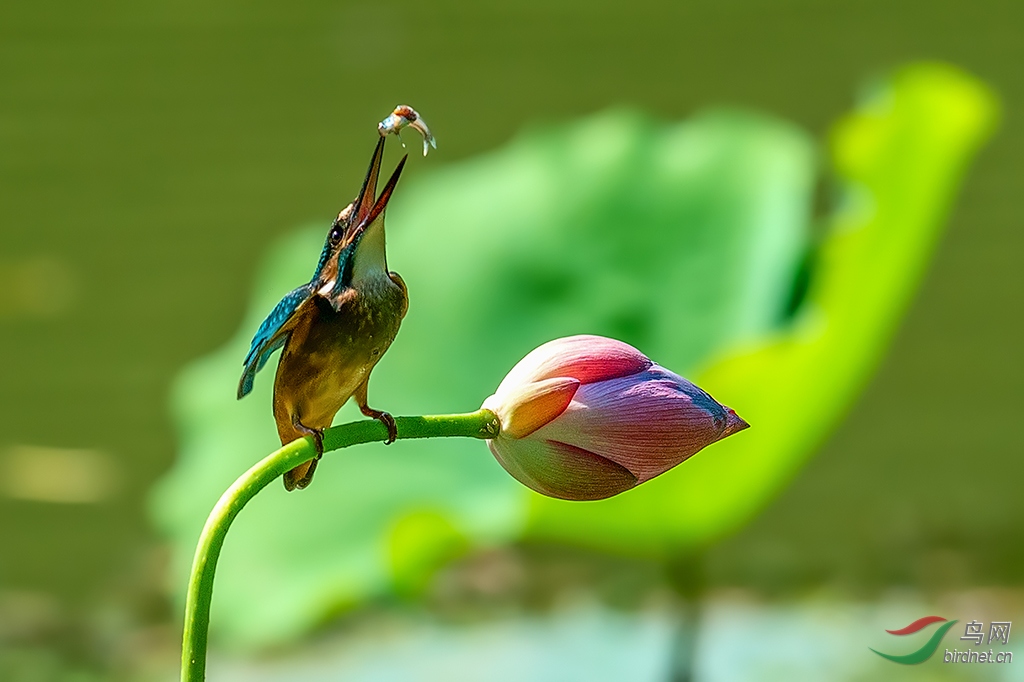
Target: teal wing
<point>271,335</point>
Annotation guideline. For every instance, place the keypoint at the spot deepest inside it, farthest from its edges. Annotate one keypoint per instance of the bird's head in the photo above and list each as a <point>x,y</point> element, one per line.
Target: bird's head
<point>354,250</point>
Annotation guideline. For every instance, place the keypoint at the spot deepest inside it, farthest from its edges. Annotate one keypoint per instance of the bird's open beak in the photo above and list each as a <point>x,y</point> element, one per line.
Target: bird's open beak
<point>368,204</point>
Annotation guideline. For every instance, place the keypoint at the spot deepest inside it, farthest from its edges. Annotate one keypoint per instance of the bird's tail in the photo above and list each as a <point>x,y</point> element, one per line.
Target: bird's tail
<point>300,476</point>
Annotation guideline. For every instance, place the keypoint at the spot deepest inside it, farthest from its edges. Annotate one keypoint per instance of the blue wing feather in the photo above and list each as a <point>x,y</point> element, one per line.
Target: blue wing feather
<point>269,336</point>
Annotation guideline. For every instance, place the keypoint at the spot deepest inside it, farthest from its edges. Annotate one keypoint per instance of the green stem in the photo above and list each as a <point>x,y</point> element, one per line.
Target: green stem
<point>479,424</point>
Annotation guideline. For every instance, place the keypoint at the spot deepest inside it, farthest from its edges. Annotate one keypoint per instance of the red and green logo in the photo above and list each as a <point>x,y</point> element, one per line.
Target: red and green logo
<point>929,647</point>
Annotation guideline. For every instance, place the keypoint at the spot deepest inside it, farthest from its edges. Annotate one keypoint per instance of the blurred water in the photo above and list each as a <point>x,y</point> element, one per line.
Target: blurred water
<point>738,638</point>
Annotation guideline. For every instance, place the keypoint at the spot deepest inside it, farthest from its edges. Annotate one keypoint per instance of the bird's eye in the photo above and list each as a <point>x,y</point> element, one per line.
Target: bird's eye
<point>335,235</point>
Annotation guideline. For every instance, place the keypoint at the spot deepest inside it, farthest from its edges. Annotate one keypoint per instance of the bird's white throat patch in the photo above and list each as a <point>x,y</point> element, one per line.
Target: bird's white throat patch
<point>370,260</point>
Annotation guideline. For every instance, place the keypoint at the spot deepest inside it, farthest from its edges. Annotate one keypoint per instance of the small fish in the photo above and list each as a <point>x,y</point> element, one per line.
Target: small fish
<point>404,116</point>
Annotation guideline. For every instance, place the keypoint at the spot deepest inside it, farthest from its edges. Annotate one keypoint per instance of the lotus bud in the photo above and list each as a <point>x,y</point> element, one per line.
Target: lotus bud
<point>588,417</point>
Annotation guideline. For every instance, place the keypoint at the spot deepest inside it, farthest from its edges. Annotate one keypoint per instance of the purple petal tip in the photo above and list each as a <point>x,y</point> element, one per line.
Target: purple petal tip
<point>734,423</point>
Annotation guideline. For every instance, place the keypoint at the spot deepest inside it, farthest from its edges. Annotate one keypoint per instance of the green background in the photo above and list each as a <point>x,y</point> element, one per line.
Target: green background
<point>148,154</point>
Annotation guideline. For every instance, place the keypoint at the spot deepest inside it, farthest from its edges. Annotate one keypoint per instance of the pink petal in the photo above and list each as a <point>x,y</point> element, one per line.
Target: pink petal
<point>647,422</point>
<point>561,470</point>
<point>585,358</point>
<point>526,408</point>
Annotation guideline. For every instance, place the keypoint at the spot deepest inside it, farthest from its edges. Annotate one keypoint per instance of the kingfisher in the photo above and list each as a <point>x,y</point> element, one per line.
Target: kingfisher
<point>334,329</point>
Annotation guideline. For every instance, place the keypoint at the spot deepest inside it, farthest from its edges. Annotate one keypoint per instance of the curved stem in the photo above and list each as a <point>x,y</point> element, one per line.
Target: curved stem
<point>480,424</point>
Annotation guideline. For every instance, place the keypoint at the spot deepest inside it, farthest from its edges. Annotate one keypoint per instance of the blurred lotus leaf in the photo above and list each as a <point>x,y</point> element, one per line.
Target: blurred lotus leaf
<point>692,241</point>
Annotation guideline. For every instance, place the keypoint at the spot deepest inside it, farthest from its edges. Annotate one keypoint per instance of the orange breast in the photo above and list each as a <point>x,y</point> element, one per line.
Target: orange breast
<point>331,353</point>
